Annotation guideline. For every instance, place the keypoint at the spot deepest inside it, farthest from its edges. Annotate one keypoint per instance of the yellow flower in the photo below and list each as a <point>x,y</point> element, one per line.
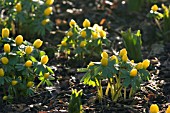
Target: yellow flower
<point>45,21</point>
<point>154,108</point>
<point>124,58</point>
<point>1,72</point>
<point>133,72</point>
<point>7,48</point>
<point>168,109</point>
<point>154,8</point>
<point>146,63</point>
<point>83,34</point>
<point>104,61</point>
<point>5,97</point>
<point>30,84</point>
<point>86,23</point>
<point>94,35</point>
<point>37,43</point>
<point>28,63</point>
<point>28,50</point>
<point>69,33</point>
<point>4,60</point>
<point>139,66</point>
<point>49,2</point>
<point>18,7</point>
<point>113,57</point>
<point>83,43</point>
<point>104,54</point>
<point>102,33</point>
<point>46,75</point>
<point>19,40</point>
<point>63,43</point>
<point>72,23</point>
<point>48,11</point>
<point>123,52</point>
<point>5,32</point>
<point>44,59</point>
<point>132,61</point>
<point>14,82</point>
<point>97,27</point>
<point>90,64</point>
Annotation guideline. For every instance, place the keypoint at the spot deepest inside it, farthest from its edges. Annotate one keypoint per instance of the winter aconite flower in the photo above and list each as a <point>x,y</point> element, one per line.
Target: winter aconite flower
<point>49,2</point>
<point>154,8</point>
<point>1,72</point>
<point>94,35</point>
<point>146,63</point>
<point>102,33</point>
<point>46,75</point>
<point>28,63</point>
<point>83,43</point>
<point>28,50</point>
<point>124,58</point>
<point>18,7</point>
<point>69,33</point>
<point>48,11</point>
<point>113,57</point>
<point>83,34</point>
<point>104,61</point>
<point>139,66</point>
<point>122,52</point>
<point>19,40</point>
<point>90,64</point>
<point>14,82</point>
<point>72,23</point>
<point>86,23</point>
<point>45,21</point>
<point>7,48</point>
<point>30,84</point>
<point>5,32</point>
<point>37,43</point>
<point>4,60</point>
<point>154,108</point>
<point>104,54</point>
<point>5,97</point>
<point>133,72</point>
<point>168,110</point>
<point>63,43</point>
<point>44,59</point>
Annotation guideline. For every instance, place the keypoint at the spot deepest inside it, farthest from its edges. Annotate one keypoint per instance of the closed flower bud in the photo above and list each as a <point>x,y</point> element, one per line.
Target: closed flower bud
<point>133,72</point>
<point>1,72</point>
<point>37,43</point>
<point>30,84</point>
<point>44,59</point>
<point>69,33</point>
<point>83,34</point>
<point>48,11</point>
<point>90,64</point>
<point>28,63</point>
<point>72,23</point>
<point>18,7</point>
<point>28,50</point>
<point>86,23</point>
<point>104,54</point>
<point>83,43</point>
<point>146,63</point>
<point>104,61</point>
<point>168,110</point>
<point>154,108</point>
<point>7,48</point>
<point>14,82</point>
<point>102,33</point>
<point>5,97</point>
<point>19,40</point>
<point>113,57</point>
<point>124,58</point>
<point>49,2</point>
<point>4,60</point>
<point>45,21</point>
<point>5,32</point>
<point>63,43</point>
<point>94,35</point>
<point>123,52</point>
<point>154,8</point>
<point>46,75</point>
<point>139,66</point>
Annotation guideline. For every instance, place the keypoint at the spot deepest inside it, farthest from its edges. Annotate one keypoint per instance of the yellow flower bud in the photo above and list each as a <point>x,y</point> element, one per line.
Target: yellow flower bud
<point>86,23</point>
<point>7,48</point>
<point>69,33</point>
<point>146,63</point>
<point>83,43</point>
<point>48,11</point>
<point>49,2</point>
<point>18,7</point>
<point>83,34</point>
<point>154,8</point>
<point>124,58</point>
<point>5,32</point>
<point>123,52</point>
<point>132,61</point>
<point>63,43</point>
<point>45,21</point>
<point>14,82</point>
<point>4,60</point>
<point>102,33</point>
<point>139,66</point>
<point>113,57</point>
<point>28,50</point>
<point>154,108</point>
<point>1,72</point>
<point>44,59</point>
<point>19,40</point>
<point>168,109</point>
<point>104,61</point>
<point>37,43</point>
<point>5,97</point>
<point>90,64</point>
<point>94,35</point>
<point>28,63</point>
<point>72,23</point>
<point>46,75</point>
<point>104,54</point>
<point>30,84</point>
<point>133,72</point>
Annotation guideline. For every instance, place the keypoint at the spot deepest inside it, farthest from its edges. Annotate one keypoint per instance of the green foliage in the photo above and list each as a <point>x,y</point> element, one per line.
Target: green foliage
<point>133,44</point>
<point>135,5</point>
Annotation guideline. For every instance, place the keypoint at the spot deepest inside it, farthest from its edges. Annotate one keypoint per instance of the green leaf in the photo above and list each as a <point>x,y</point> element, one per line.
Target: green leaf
<point>82,70</point>
<point>33,59</point>
<point>49,70</point>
